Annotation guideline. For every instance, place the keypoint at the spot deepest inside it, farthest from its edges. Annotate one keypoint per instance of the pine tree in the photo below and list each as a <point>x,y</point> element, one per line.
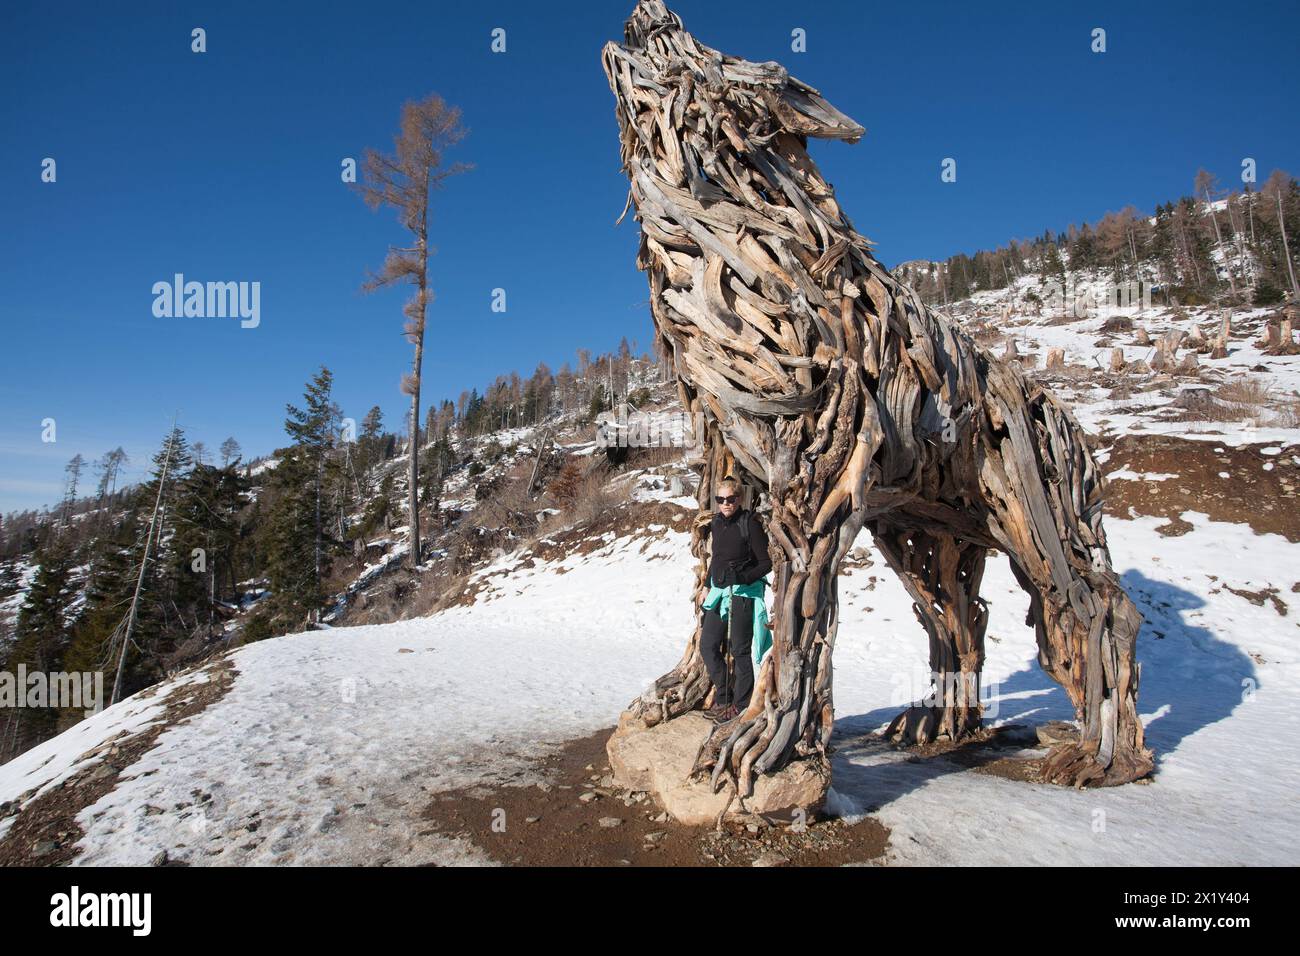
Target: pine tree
<point>206,540</point>
<point>73,472</point>
<point>42,637</point>
<point>294,537</point>
<point>314,430</point>
<point>288,532</point>
<point>42,630</point>
<point>438,461</point>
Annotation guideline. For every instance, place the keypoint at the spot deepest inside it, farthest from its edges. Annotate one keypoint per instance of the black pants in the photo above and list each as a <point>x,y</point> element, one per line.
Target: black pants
<point>736,687</point>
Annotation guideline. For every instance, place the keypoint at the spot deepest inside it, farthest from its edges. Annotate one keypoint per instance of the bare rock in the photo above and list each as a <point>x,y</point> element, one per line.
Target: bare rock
<point>1199,402</point>
<point>658,760</point>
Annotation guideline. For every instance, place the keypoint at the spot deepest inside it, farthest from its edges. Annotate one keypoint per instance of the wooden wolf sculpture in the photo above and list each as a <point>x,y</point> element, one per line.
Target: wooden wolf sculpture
<point>825,382</point>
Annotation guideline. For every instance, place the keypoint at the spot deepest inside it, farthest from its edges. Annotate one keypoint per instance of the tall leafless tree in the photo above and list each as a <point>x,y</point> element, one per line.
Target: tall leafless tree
<point>1205,181</point>
<point>404,180</point>
<point>1274,190</point>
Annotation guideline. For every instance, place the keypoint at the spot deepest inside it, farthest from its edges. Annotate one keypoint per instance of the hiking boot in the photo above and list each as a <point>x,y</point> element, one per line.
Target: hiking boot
<point>716,711</point>
<point>730,712</point>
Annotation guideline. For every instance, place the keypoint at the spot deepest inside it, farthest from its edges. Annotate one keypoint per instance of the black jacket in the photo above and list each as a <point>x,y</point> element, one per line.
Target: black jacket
<point>734,560</point>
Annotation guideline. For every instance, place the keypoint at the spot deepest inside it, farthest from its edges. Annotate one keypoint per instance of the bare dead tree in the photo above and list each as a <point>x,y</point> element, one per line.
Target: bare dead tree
<point>826,382</point>
<point>405,180</point>
<point>1275,189</point>
<point>1205,182</point>
<point>126,629</point>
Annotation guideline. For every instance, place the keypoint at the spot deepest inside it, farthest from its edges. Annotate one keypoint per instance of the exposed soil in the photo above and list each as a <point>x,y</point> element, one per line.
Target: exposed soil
<point>558,822</point>
<point>1226,483</point>
<point>996,751</point>
<point>549,825</point>
<point>46,832</point>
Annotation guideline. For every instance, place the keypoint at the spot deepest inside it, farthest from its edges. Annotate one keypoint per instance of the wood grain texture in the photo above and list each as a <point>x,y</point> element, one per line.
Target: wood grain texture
<point>826,385</point>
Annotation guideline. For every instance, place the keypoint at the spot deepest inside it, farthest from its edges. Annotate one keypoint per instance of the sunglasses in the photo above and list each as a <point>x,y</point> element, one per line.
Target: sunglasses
<point>726,499</point>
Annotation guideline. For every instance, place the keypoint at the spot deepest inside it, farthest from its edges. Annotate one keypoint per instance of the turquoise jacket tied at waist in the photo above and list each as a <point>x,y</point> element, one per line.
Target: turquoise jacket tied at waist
<point>720,599</point>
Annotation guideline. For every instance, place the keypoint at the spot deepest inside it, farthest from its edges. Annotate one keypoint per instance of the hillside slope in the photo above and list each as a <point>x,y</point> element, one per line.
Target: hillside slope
<point>329,746</point>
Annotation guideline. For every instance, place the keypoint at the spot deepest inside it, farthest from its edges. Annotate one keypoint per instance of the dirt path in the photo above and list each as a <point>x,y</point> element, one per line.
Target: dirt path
<point>559,823</point>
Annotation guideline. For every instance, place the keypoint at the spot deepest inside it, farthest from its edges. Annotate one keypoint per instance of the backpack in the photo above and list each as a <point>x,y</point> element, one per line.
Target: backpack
<point>743,522</point>
<point>744,528</point>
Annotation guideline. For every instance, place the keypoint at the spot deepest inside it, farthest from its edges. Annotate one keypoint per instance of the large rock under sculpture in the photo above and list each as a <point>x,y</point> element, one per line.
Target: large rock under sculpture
<point>658,760</point>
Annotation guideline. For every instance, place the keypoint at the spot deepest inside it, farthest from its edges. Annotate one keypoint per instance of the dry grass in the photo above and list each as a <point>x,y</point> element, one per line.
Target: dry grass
<point>592,500</point>
<point>509,507</point>
<point>1123,390</point>
<point>436,591</point>
<point>1288,416</point>
<point>652,456</point>
<point>1081,373</point>
<point>1201,405</point>
<point>1245,392</point>
<point>386,602</point>
<point>1246,400</point>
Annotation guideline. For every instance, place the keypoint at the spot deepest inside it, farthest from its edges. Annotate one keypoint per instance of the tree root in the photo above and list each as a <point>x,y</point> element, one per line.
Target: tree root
<point>919,724</point>
<point>1077,765</point>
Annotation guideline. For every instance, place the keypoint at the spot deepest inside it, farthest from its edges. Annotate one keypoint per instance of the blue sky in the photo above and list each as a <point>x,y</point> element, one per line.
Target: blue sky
<point>224,166</point>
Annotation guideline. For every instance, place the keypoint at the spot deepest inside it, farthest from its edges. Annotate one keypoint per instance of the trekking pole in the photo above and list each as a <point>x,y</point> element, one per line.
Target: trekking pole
<point>728,659</point>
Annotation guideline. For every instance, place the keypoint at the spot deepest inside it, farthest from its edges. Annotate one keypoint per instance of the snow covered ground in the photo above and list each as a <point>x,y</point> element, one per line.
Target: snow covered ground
<point>1218,699</point>
<point>329,743</point>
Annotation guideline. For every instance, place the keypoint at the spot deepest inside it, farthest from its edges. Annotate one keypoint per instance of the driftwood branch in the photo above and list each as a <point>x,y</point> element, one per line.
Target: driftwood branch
<point>826,383</point>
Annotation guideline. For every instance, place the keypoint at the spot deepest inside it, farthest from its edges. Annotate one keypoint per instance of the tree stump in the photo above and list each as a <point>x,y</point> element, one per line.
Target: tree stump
<point>1220,349</point>
<point>1282,337</point>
